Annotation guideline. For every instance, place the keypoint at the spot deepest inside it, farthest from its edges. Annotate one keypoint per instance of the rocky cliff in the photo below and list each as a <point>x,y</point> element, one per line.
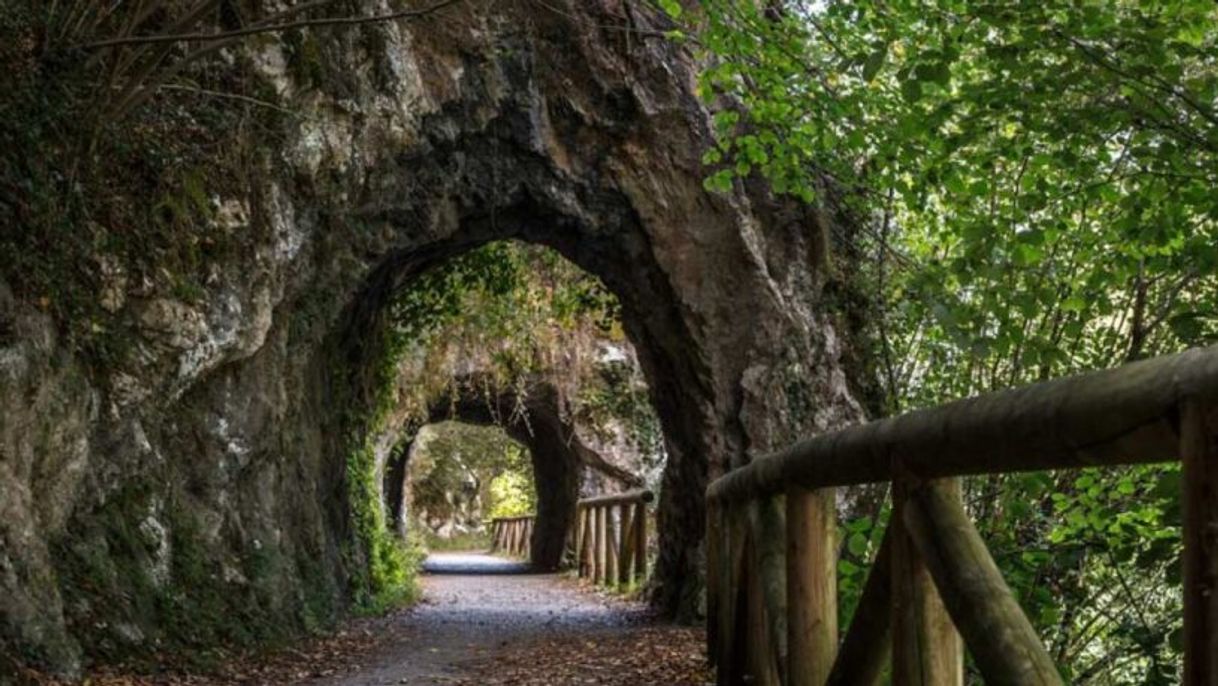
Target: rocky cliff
<point>181,449</point>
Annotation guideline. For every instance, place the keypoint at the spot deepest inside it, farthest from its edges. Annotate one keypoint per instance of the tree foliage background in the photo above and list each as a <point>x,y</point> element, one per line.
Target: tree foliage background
<point>1038,182</point>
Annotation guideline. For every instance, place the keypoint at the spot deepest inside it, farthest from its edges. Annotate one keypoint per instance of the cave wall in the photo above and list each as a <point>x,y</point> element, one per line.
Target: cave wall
<point>192,489</point>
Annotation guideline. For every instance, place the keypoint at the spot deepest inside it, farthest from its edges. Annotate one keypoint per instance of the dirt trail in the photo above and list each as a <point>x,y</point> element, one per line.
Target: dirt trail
<point>482,621</point>
<point>475,606</point>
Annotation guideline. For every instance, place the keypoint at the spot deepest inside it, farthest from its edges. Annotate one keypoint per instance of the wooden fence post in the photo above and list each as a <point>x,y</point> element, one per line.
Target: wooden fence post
<point>590,516</point>
<point>1199,453</point>
<point>731,658</point>
<point>759,635</point>
<point>926,650</point>
<point>580,516</point>
<point>640,539</point>
<point>602,545</point>
<point>625,561</point>
<point>1001,640</point>
<point>767,589</point>
<point>579,537</point>
<point>811,585</point>
<point>611,565</point>
<point>867,647</point>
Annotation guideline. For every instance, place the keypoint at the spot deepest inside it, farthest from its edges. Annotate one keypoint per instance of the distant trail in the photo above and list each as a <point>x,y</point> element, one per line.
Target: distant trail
<point>476,606</point>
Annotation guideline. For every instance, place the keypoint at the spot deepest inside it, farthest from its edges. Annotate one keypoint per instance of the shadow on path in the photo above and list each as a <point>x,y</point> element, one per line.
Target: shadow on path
<point>476,605</point>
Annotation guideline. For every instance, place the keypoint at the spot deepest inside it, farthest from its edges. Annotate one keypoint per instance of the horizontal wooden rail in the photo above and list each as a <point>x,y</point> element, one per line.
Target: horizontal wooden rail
<point>611,537</point>
<point>617,498</point>
<point>1117,416</point>
<point>512,535</point>
<point>934,587</point>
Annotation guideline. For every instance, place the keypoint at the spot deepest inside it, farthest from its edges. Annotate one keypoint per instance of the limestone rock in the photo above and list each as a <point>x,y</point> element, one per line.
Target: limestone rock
<point>201,474</point>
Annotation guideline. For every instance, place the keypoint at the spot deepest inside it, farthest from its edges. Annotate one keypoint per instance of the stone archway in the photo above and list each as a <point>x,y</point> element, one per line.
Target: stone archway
<point>719,292</point>
<point>220,433</point>
<point>532,415</point>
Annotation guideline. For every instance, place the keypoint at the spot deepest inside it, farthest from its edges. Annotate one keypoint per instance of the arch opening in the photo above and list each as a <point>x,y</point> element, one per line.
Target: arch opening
<point>514,338</point>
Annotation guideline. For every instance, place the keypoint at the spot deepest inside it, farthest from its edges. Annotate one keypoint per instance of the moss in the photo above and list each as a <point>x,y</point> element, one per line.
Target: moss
<point>388,576</point>
<point>89,190</point>
<point>317,609</point>
<point>106,566</point>
<point>304,58</point>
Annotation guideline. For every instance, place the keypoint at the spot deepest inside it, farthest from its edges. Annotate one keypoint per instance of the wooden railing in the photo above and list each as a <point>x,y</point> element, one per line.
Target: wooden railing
<point>771,553</point>
<point>512,535</point>
<point>611,537</point>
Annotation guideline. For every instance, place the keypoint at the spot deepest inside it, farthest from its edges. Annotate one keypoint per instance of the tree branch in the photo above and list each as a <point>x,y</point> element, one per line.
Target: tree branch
<point>270,28</point>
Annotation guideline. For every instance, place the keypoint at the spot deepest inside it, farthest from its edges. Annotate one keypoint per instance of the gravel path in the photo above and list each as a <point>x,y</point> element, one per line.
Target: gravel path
<point>475,606</point>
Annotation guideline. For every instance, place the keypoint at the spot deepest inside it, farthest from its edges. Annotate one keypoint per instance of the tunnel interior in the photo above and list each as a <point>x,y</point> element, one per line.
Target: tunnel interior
<point>569,387</point>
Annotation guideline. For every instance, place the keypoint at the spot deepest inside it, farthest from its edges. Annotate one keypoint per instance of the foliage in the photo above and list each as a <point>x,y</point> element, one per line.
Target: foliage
<point>90,204</point>
<point>464,475</point>
<point>1037,181</point>
<point>512,494</point>
<point>513,312</point>
<point>388,576</point>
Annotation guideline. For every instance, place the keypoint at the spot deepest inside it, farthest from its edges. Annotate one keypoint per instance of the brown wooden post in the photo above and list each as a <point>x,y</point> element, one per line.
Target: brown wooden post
<point>1001,640</point>
<point>865,651</point>
<point>1199,453</point>
<point>625,561</point>
<point>640,539</point>
<point>731,658</point>
<point>759,639</point>
<point>926,650</point>
<point>602,544</point>
<point>811,585</point>
<point>591,517</point>
<point>580,538</point>
<point>611,529</point>
<point>589,543</point>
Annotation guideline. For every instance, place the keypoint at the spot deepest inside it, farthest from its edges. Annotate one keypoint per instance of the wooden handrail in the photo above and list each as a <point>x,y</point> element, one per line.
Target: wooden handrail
<point>1125,415</point>
<point>513,535</point>
<point>618,498</point>
<point>611,537</point>
<point>934,579</point>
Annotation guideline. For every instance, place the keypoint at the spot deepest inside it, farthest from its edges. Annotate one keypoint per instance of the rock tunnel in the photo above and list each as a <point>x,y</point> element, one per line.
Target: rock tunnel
<point>530,414</point>
<point>213,453</point>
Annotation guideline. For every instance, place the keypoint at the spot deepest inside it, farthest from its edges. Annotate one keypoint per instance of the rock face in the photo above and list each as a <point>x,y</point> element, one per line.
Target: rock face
<point>193,490</point>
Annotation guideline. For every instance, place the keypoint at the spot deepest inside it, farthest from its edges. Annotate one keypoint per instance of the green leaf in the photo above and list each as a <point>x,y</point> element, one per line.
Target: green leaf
<point>857,544</point>
<point>875,61</point>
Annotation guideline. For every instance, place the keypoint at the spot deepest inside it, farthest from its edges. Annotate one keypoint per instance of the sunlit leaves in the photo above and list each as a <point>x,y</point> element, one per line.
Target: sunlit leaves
<point>1037,185</point>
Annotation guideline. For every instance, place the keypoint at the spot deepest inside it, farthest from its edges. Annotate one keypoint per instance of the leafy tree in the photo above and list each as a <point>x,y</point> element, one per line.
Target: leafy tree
<point>464,475</point>
<point>1037,182</point>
